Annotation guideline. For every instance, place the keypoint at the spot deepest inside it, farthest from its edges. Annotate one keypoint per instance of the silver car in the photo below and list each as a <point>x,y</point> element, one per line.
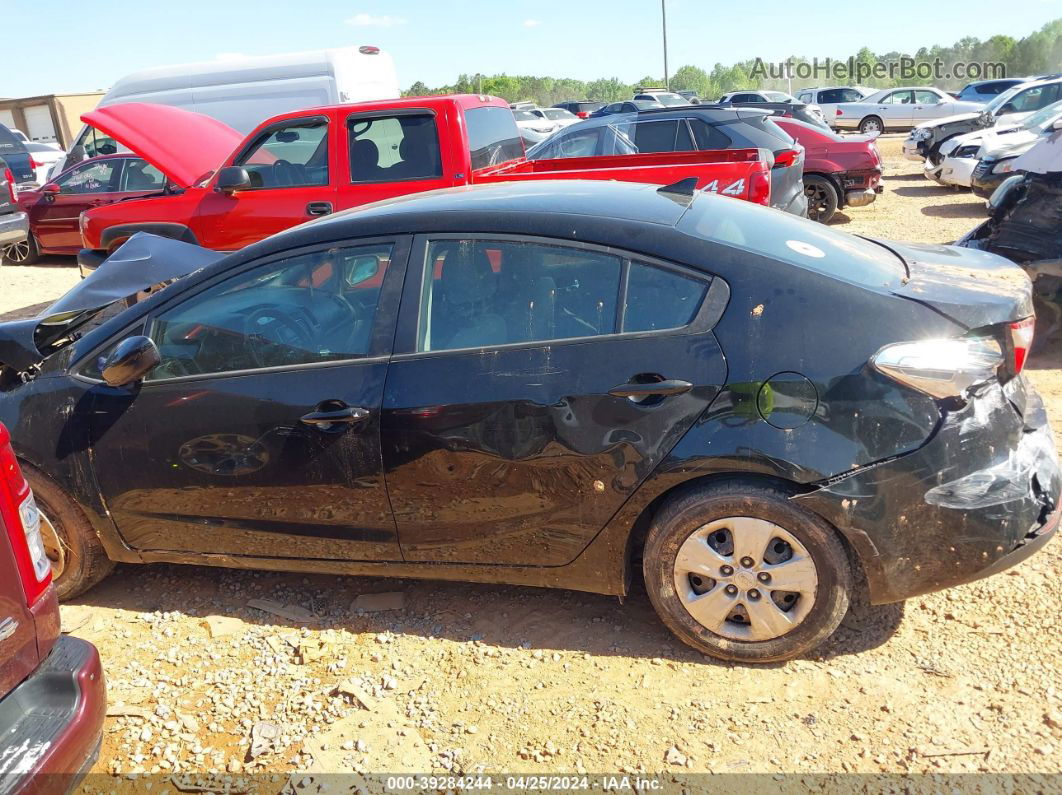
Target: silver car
<point>899,109</point>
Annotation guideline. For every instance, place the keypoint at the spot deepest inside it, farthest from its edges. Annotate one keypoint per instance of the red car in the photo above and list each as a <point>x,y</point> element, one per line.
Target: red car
<point>316,161</point>
<point>839,170</point>
<point>55,209</point>
<point>52,694</point>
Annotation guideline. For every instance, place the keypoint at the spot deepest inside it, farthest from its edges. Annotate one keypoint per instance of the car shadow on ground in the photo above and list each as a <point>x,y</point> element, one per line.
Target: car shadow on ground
<point>921,191</point>
<point>971,210</point>
<point>24,312</point>
<point>495,615</point>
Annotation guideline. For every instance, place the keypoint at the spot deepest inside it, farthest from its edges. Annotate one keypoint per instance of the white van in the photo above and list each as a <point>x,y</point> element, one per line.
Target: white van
<point>244,91</point>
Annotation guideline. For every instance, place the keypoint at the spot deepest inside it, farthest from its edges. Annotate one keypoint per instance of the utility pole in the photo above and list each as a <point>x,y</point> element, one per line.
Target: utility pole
<point>663,19</point>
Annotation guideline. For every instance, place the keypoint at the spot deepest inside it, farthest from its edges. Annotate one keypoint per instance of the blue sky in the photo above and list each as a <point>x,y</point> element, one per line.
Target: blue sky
<point>78,46</point>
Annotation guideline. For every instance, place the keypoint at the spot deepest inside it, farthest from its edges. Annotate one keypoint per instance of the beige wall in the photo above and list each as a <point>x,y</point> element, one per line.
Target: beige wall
<point>66,110</point>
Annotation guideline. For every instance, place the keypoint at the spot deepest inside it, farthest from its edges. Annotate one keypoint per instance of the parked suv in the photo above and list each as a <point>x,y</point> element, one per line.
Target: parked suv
<point>687,129</point>
<point>17,157</point>
<point>52,693</point>
<point>987,90</point>
<point>14,225</point>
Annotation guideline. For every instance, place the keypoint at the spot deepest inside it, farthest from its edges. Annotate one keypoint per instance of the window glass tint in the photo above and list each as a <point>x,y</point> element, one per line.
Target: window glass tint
<point>481,293</point>
<point>748,98</point>
<point>493,137</point>
<point>660,136</point>
<point>91,178</point>
<point>387,148</point>
<point>140,175</point>
<point>709,136</point>
<point>289,156</point>
<point>316,307</point>
<point>660,299</point>
<point>579,144</point>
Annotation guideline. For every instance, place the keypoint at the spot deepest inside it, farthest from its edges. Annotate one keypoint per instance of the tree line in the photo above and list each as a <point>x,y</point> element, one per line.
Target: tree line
<point>1038,53</point>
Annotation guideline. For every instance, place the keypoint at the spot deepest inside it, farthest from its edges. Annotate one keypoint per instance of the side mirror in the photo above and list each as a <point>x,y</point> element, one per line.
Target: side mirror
<point>232,179</point>
<point>1056,124</point>
<point>131,360</point>
<point>51,190</point>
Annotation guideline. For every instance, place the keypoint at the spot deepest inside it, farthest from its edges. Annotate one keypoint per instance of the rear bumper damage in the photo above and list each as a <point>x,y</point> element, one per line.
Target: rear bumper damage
<point>979,497</point>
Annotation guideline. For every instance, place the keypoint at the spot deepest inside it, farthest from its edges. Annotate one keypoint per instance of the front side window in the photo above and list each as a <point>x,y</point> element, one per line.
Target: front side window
<point>292,155</point>
<point>389,148</point>
<point>579,144</point>
<point>315,307</point>
<point>140,175</point>
<point>482,293</point>
<point>101,177</point>
<point>493,137</point>
<point>926,98</point>
<point>898,98</point>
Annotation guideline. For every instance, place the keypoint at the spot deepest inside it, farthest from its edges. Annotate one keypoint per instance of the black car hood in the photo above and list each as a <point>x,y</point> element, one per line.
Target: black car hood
<point>974,288</point>
<point>142,262</point>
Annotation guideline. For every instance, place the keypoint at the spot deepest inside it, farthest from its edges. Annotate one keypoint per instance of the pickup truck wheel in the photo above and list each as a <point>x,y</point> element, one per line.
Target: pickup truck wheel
<point>738,572</point>
<point>25,253</point>
<point>871,124</point>
<point>823,198</point>
<point>77,556</point>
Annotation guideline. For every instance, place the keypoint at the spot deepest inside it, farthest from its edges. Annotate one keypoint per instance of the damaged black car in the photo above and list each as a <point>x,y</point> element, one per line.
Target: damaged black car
<point>549,385</point>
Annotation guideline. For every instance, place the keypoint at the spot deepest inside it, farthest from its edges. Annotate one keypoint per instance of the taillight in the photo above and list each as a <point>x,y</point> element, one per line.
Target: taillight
<point>941,368</point>
<point>786,158</point>
<point>18,511</point>
<point>760,188</point>
<point>838,112</point>
<point>1021,340</point>
<point>34,164</point>
<point>583,114</point>
<point>10,184</point>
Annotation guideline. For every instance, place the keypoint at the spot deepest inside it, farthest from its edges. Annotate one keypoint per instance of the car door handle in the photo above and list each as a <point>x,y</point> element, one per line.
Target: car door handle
<point>319,208</point>
<point>325,420</point>
<point>662,388</point>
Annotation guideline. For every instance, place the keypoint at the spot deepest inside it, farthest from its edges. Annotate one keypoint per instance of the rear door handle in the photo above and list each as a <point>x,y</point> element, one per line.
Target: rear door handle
<point>326,420</point>
<point>663,388</point>
<point>319,208</point>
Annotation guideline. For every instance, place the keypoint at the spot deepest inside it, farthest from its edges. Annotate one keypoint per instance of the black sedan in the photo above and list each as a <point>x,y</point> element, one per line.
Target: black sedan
<point>544,384</point>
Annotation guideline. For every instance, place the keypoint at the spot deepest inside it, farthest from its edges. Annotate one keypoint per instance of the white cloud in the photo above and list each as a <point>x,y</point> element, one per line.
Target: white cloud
<point>532,23</point>
<point>375,21</point>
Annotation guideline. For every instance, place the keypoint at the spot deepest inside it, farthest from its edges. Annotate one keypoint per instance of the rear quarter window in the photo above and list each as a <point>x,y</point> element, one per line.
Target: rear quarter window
<point>493,137</point>
<point>796,241</point>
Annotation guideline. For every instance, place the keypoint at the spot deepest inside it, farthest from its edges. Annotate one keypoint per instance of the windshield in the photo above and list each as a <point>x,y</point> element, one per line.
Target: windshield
<point>778,96</point>
<point>557,114</point>
<point>1003,98</point>
<point>524,115</point>
<point>1042,118</point>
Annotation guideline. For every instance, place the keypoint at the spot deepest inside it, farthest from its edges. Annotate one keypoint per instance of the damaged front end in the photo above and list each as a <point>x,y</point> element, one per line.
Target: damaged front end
<point>980,496</point>
<point>141,265</point>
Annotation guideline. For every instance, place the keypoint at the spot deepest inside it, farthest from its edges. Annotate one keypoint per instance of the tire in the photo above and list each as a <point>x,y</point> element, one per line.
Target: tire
<point>823,198</point>
<point>693,521</point>
<point>871,124</point>
<point>24,253</point>
<point>78,558</point>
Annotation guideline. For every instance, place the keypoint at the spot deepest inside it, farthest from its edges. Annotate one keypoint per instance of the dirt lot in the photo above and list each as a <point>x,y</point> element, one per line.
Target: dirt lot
<point>469,677</point>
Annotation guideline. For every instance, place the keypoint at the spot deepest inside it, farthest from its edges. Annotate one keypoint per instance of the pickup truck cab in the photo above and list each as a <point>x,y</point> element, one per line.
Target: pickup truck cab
<point>232,191</point>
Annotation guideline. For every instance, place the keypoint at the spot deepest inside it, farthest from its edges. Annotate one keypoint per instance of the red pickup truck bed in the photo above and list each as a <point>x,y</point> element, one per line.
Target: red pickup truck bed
<point>321,160</point>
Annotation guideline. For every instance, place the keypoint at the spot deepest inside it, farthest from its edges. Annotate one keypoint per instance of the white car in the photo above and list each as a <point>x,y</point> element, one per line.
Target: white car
<point>740,97</point>
<point>558,116</point>
<point>961,154</point>
<point>899,109</point>
<point>829,97</point>
<point>533,128</point>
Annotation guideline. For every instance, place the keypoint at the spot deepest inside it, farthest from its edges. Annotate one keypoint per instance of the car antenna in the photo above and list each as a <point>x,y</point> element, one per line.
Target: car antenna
<point>682,191</point>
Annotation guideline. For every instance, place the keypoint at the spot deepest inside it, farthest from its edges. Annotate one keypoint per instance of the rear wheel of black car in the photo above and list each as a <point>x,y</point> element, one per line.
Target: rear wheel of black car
<point>823,197</point>
<point>76,554</point>
<point>24,253</point>
<point>871,124</point>
<point>738,572</point>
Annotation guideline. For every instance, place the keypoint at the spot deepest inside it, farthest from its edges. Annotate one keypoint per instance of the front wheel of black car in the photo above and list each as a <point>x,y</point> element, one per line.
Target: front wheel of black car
<point>738,572</point>
<point>24,253</point>
<point>76,554</point>
<point>822,197</point>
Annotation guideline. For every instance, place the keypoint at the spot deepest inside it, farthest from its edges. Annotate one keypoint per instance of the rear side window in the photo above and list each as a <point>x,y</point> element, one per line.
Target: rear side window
<point>671,135</point>
<point>837,95</point>
<point>709,136</point>
<point>659,299</point>
<point>389,148</point>
<point>748,98</point>
<point>493,137</point>
<point>288,156</point>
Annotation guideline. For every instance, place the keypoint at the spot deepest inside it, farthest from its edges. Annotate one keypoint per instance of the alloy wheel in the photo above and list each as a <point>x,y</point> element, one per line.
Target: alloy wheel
<point>818,203</point>
<point>17,253</point>
<point>745,579</point>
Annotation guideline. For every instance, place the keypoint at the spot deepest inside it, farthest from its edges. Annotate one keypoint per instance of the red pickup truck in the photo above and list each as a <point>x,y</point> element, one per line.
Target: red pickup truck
<point>319,160</point>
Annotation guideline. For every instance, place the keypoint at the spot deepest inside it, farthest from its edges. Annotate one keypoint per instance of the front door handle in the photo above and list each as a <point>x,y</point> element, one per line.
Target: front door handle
<point>327,420</point>
<point>319,208</point>
<point>661,388</point>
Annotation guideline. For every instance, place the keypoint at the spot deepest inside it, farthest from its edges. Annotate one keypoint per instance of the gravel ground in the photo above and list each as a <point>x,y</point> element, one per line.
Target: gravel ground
<point>463,678</point>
